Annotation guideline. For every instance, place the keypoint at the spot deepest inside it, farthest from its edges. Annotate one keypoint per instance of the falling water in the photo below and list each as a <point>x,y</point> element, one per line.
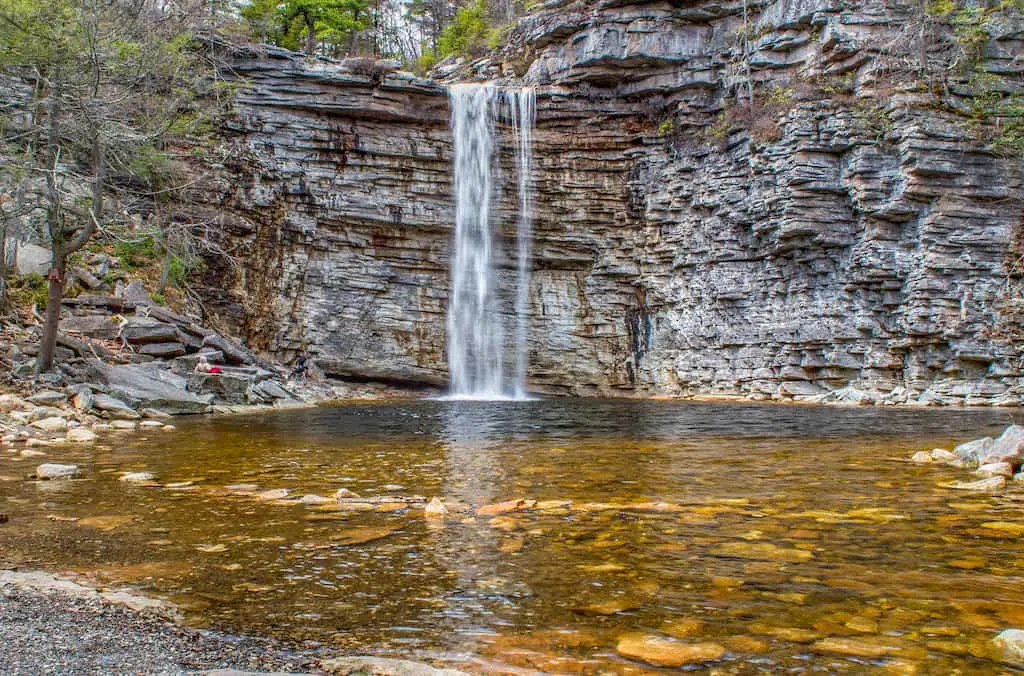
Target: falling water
<point>476,354</point>
<point>522,103</point>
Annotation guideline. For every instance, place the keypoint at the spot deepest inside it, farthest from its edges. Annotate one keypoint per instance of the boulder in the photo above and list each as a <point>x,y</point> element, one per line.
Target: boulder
<point>53,470</point>
<point>113,407</point>
<point>53,424</point>
<point>232,354</point>
<point>973,450</point>
<point>664,652</point>
<point>150,386</point>
<point>101,327</point>
<point>32,258</point>
<point>271,390</point>
<point>1008,647</point>
<point>163,350</point>
<point>136,292</point>
<point>140,330</point>
<point>991,469</point>
<point>1007,447</point>
<point>230,387</point>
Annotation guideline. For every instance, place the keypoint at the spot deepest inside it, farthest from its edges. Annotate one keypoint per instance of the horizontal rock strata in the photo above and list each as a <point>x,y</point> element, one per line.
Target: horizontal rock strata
<point>843,239</point>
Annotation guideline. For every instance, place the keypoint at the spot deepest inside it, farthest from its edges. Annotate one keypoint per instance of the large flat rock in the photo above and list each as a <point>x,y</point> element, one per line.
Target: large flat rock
<point>150,386</point>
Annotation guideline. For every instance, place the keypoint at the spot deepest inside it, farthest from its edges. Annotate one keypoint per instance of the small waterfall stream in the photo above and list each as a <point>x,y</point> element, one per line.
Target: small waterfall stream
<point>477,355</point>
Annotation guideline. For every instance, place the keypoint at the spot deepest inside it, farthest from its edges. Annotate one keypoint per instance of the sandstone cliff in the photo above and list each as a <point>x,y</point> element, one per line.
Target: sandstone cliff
<point>852,235</point>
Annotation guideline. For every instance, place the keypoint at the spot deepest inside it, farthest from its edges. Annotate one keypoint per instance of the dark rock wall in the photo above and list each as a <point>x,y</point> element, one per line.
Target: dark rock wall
<point>846,238</point>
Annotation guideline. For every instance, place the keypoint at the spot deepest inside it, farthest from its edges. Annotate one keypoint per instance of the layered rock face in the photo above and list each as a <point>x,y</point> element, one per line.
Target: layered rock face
<point>843,238</point>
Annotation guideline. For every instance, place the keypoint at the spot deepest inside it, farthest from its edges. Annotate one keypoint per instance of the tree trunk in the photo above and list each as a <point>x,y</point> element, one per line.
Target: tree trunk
<point>310,35</point>
<point>48,345</point>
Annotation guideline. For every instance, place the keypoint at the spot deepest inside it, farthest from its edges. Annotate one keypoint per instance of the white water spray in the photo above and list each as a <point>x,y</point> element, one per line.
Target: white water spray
<point>476,335</point>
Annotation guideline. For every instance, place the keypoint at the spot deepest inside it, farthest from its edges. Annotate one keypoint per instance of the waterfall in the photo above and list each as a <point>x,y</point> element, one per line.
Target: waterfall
<point>476,333</point>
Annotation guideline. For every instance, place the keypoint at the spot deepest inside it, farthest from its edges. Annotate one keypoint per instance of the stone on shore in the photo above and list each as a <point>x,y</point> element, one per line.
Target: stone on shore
<point>81,435</point>
<point>53,470</point>
<point>51,424</point>
<point>113,407</point>
<point>382,666</point>
<point>48,398</point>
<point>150,386</point>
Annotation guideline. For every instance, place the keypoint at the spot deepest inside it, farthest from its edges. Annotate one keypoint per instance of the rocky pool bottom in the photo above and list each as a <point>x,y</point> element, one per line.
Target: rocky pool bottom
<point>575,536</point>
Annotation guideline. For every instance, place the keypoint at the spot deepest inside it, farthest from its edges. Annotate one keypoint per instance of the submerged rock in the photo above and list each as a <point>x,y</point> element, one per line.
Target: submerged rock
<point>664,652</point>
<point>435,509</point>
<point>992,484</point>
<point>992,469</point>
<point>138,477</point>
<point>52,470</point>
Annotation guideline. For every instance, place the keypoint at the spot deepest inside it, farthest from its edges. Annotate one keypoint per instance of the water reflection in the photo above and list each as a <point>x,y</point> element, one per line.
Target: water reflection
<point>770,528</point>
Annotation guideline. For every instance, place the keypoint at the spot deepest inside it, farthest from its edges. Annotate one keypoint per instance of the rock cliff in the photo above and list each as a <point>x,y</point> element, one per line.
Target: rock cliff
<point>787,206</point>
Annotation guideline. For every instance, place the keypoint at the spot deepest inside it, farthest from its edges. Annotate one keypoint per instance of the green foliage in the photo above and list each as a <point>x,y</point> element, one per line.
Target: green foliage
<point>426,61</point>
<point>303,24</point>
<point>778,97</point>
<point>666,127</point>
<point>158,298</point>
<point>137,252</point>
<point>178,270</point>
<point>28,290</point>
<point>467,34</point>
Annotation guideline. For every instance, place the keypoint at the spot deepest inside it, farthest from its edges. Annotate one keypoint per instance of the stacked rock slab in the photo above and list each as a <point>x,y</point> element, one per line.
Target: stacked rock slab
<point>847,240</point>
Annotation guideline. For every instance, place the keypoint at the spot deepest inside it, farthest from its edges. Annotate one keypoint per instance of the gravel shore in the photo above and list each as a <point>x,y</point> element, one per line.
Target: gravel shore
<point>56,633</point>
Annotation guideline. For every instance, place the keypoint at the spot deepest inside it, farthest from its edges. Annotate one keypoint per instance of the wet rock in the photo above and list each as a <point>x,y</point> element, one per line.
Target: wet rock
<point>151,425</point>
<point>505,507</point>
<point>762,551</point>
<point>435,509</point>
<point>663,652</point>
<point>242,488</point>
<point>851,647</point>
<point>362,535</point>
<point>972,451</point>
<point>609,607</point>
<point>1007,447</point>
<point>314,499</point>
<point>52,470</point>
<point>992,469</point>
<point>273,494</point>
<point>123,425</point>
<point>138,477</point>
<point>942,455</point>
<point>682,627</point>
<point>51,424</point>
<point>154,413</point>
<point>1008,647</point>
<point>81,435</point>
<point>922,458</point>
<point>990,485</point>
<point>344,493</point>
